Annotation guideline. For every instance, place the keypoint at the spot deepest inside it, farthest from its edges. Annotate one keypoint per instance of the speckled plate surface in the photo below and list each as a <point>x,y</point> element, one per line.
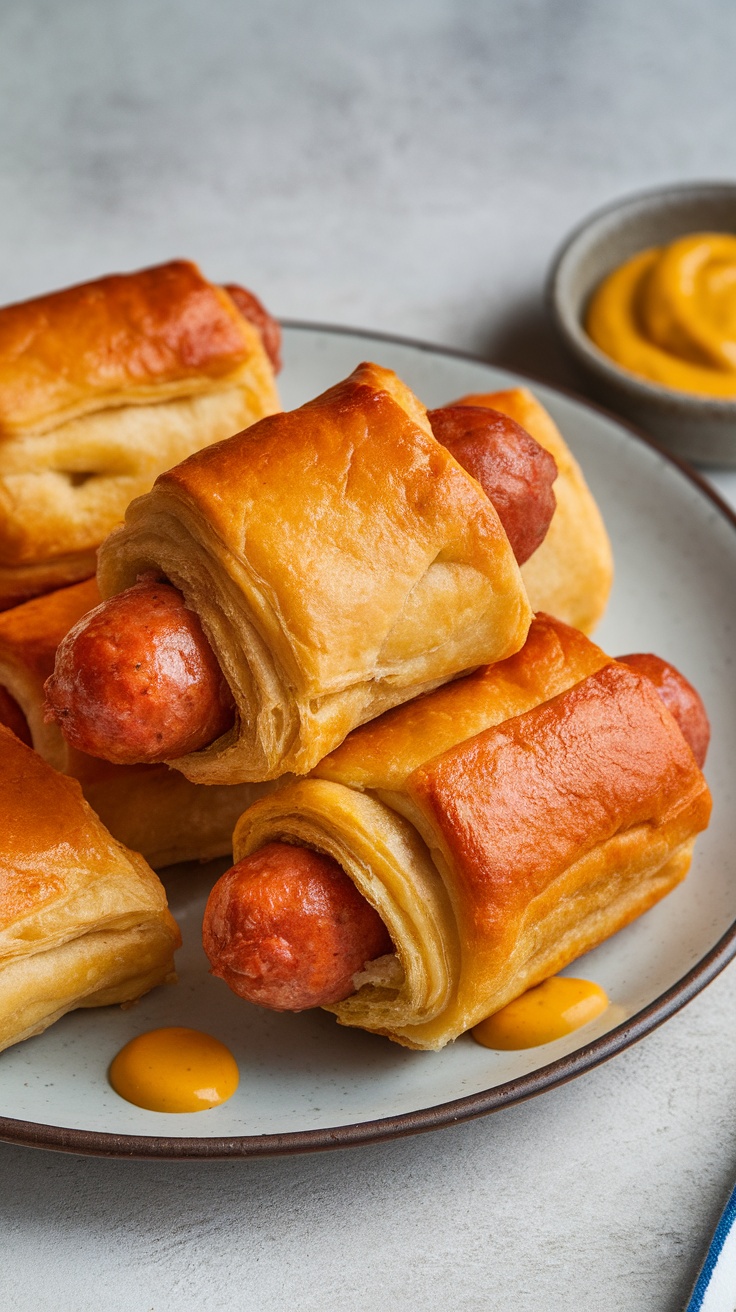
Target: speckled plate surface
<point>307,1084</point>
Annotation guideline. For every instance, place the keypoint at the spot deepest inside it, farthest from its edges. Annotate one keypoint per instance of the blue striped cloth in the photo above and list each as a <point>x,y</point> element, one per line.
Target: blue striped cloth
<point>715,1287</point>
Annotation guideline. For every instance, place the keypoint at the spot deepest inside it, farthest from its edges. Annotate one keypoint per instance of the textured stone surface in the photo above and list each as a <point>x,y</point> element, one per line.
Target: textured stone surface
<point>409,167</point>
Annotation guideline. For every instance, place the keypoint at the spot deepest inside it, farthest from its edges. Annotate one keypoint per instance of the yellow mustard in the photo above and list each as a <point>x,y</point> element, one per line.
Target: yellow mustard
<point>174,1070</point>
<point>669,314</point>
<point>550,1010</point>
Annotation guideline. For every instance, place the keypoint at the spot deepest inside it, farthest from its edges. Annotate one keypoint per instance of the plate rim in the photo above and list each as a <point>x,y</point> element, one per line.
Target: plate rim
<point>95,1143</point>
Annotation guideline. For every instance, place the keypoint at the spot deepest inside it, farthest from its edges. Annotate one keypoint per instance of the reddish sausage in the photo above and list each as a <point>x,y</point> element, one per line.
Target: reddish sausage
<point>251,309</point>
<point>136,680</point>
<point>287,929</point>
<point>13,718</point>
<point>515,472</point>
<point>680,698</point>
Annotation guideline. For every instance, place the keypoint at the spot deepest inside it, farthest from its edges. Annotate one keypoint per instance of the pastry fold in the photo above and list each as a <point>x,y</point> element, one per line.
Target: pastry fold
<point>340,562</point>
<point>570,574</point>
<point>102,386</point>
<point>501,826</point>
<point>83,921</point>
<point>152,809</point>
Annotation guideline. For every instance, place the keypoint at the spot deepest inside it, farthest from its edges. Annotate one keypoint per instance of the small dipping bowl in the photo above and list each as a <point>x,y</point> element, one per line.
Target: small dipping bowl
<point>694,427</point>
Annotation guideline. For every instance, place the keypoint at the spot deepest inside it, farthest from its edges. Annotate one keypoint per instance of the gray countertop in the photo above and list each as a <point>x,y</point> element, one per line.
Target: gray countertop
<point>408,166</point>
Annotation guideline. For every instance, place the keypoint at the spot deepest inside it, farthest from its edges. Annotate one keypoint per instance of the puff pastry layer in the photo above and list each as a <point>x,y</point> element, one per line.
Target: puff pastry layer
<point>152,809</point>
<point>101,387</point>
<point>570,575</point>
<point>340,562</point>
<point>501,826</point>
<point>83,921</point>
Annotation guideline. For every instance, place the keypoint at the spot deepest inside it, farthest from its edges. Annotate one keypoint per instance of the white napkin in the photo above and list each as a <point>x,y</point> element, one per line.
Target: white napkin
<point>715,1287</point>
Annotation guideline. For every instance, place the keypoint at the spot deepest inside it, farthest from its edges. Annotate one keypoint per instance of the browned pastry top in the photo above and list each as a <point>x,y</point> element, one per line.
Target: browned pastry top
<point>383,753</point>
<point>383,501</point>
<point>78,350</point>
<point>30,634</point>
<point>46,825</point>
<point>519,803</point>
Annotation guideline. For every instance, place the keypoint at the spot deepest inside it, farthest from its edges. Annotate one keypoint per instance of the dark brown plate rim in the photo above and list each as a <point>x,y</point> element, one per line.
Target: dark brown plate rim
<point>128,1146</point>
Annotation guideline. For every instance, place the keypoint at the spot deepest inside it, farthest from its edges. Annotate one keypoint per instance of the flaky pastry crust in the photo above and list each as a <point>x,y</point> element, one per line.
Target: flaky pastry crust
<point>101,387</point>
<point>340,562</point>
<point>83,921</point>
<point>501,826</point>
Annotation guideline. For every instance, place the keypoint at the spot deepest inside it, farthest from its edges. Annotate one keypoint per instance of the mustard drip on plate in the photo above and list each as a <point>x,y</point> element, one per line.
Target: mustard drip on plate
<point>669,314</point>
<point>174,1070</point>
<point>549,1011</point>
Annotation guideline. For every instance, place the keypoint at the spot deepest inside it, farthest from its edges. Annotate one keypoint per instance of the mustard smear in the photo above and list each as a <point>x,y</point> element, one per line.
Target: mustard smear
<point>669,314</point>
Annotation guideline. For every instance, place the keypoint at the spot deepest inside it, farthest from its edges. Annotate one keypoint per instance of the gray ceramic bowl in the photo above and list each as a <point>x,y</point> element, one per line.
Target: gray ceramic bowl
<point>694,427</point>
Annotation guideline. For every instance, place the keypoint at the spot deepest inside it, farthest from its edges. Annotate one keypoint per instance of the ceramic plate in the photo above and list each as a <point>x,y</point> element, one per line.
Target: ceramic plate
<point>307,1084</point>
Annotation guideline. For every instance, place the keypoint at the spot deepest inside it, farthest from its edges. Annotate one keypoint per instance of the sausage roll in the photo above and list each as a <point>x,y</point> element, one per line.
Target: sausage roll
<point>340,561</point>
<point>83,921</point>
<point>500,826</point>
<point>570,574</point>
<point>102,386</point>
<point>152,809</point>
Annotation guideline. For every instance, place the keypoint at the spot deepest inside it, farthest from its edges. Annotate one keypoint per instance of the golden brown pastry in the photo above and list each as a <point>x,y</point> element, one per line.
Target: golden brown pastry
<point>152,809</point>
<point>102,386</point>
<point>83,921</point>
<point>500,826</point>
<point>570,575</point>
<point>340,562</point>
